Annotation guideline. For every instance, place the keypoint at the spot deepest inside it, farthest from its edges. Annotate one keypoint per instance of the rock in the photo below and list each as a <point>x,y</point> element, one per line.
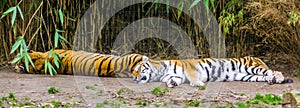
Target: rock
<point>291,100</point>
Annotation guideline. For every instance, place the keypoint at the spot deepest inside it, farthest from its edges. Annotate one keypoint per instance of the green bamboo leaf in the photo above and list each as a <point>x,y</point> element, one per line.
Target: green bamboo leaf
<point>20,11</point>
<point>49,68</point>
<point>26,64</point>
<point>206,6</point>
<point>64,39</point>
<point>53,70</point>
<point>61,16</point>
<point>29,59</point>
<point>56,37</point>
<point>56,59</point>
<point>24,46</point>
<point>195,2</point>
<point>8,11</point>
<point>16,45</point>
<point>3,4</point>
<point>60,31</point>
<point>21,51</point>
<point>180,5</point>
<point>168,6</point>
<point>50,53</point>
<point>212,3</point>
<point>13,17</point>
<point>18,58</point>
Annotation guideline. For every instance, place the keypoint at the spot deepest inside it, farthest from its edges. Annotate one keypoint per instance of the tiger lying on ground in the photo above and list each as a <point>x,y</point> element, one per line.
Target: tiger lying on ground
<point>197,71</point>
<point>85,63</point>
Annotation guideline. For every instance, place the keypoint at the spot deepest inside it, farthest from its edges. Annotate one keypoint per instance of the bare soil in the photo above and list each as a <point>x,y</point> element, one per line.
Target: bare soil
<point>89,91</point>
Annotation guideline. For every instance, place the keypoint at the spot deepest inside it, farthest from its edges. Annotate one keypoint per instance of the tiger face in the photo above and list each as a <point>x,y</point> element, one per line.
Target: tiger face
<point>142,73</point>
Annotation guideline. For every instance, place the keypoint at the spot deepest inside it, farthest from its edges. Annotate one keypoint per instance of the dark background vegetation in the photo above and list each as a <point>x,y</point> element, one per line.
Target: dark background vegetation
<point>268,29</point>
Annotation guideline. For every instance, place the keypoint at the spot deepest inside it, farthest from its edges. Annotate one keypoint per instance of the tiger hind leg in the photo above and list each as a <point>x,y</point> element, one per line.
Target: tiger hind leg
<point>273,77</point>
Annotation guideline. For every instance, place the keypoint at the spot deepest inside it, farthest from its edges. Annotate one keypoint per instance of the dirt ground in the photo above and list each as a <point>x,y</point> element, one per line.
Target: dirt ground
<point>86,91</point>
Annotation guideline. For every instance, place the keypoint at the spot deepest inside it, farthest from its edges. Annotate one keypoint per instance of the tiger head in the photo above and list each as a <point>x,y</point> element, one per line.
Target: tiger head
<point>141,73</point>
<point>146,72</point>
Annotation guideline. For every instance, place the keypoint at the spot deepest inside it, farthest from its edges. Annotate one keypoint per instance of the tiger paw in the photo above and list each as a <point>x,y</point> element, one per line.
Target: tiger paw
<point>275,78</point>
<point>197,84</point>
<point>171,83</point>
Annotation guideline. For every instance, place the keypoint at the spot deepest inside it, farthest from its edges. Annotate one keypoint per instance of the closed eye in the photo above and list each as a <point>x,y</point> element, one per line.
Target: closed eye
<point>144,78</point>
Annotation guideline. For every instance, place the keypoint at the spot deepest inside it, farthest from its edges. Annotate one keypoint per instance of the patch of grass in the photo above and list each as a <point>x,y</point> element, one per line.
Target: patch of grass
<point>202,88</point>
<point>90,87</point>
<point>100,91</point>
<point>122,90</point>
<point>227,106</point>
<point>100,105</point>
<point>53,90</point>
<point>194,103</point>
<point>297,73</point>
<point>242,94</point>
<point>242,105</point>
<point>258,101</point>
<point>12,104</point>
<point>269,99</point>
<point>26,98</point>
<point>56,103</point>
<point>123,101</point>
<point>105,102</point>
<point>70,97</point>
<point>12,96</point>
<point>141,103</point>
<point>157,91</point>
<point>4,98</point>
<point>157,105</point>
<point>165,103</point>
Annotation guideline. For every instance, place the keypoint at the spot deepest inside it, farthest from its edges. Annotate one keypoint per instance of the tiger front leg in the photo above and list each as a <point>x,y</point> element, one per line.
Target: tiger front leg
<point>174,81</point>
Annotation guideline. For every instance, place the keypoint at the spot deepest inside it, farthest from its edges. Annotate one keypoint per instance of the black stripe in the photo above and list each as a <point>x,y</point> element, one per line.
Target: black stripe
<point>122,63</point>
<point>93,65</point>
<point>240,66</point>
<point>246,69</point>
<point>201,65</point>
<point>134,64</point>
<point>207,72</point>
<point>75,62</point>
<point>176,77</point>
<point>175,67</point>
<point>84,64</point>
<point>250,61</point>
<point>233,66</point>
<point>165,76</point>
<point>249,78</point>
<point>209,63</point>
<point>243,78</point>
<point>100,67</point>
<point>265,72</point>
<point>108,68</point>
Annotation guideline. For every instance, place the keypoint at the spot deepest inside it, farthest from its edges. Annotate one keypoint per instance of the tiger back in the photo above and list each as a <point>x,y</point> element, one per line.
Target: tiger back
<point>85,63</point>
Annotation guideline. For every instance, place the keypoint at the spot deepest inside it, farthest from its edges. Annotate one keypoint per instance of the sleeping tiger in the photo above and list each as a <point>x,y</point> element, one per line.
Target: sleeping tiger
<point>85,63</point>
<point>198,71</point>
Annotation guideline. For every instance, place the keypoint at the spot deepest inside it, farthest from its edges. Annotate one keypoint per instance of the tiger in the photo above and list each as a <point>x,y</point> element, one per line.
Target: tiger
<point>198,71</point>
<point>84,63</point>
